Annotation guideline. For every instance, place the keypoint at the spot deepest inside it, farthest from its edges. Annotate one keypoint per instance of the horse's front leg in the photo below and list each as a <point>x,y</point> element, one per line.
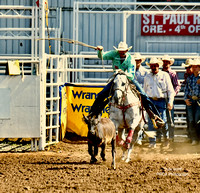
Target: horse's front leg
<point>131,145</point>
<point>129,152</point>
<point>120,137</point>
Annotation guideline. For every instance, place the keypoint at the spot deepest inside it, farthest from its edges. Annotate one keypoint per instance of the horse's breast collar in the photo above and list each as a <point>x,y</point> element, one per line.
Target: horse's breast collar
<point>124,108</point>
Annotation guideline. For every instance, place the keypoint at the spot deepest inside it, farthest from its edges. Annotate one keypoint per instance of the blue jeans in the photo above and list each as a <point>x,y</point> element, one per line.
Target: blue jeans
<point>193,112</point>
<point>161,106</point>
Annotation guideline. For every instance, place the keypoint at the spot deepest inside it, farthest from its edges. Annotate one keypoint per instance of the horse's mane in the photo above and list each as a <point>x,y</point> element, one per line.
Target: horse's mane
<point>119,72</point>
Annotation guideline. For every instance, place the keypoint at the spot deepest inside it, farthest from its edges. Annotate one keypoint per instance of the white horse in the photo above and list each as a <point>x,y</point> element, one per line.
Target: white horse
<point>125,110</point>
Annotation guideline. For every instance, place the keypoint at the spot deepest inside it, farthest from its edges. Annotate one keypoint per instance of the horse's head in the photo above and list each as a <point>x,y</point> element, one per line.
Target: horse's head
<point>120,85</point>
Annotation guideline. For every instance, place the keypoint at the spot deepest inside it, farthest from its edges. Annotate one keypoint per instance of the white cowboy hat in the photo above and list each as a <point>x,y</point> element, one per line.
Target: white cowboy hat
<point>184,65</point>
<point>196,62</point>
<point>187,63</point>
<point>155,60</point>
<point>166,57</point>
<point>122,46</point>
<point>137,56</point>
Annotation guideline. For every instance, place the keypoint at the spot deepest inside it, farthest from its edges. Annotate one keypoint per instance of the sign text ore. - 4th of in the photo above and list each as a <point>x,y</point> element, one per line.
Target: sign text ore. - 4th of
<point>170,24</point>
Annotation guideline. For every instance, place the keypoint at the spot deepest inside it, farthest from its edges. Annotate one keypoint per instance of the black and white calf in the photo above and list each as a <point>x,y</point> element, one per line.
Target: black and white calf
<point>100,132</point>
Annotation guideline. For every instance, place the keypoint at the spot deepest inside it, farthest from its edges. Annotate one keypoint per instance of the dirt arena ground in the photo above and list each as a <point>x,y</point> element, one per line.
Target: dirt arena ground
<point>65,167</point>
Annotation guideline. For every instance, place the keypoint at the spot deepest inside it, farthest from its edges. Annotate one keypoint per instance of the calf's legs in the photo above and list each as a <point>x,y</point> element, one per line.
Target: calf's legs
<point>93,152</point>
<point>103,147</point>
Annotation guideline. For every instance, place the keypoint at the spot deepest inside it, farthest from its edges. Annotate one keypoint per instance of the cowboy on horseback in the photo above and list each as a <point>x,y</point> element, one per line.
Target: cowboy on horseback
<point>121,59</point>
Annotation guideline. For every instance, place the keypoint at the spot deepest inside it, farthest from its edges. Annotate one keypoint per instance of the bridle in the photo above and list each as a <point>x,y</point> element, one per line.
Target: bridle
<point>122,105</point>
<point>124,92</point>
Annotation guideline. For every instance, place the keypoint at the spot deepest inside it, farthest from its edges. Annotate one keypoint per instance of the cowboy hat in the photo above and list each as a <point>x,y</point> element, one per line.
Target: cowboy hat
<point>166,57</point>
<point>122,46</point>
<point>187,63</point>
<point>184,65</point>
<point>155,60</point>
<point>137,56</point>
<point>196,62</point>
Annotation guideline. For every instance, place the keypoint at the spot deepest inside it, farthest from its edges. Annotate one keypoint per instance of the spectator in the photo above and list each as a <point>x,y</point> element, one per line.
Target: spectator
<point>158,86</point>
<point>192,100</point>
<point>188,73</point>
<point>167,62</point>
<point>140,73</point>
<point>188,68</point>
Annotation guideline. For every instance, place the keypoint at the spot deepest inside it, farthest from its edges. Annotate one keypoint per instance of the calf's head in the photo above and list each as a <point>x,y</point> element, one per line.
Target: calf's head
<point>91,123</point>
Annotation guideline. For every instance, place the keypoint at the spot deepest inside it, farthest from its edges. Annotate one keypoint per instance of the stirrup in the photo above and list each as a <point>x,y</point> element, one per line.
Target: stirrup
<point>154,123</point>
<point>157,122</point>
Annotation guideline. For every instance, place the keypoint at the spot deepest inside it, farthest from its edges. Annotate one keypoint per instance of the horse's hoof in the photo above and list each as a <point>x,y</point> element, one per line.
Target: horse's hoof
<point>113,167</point>
<point>127,160</point>
<point>123,158</point>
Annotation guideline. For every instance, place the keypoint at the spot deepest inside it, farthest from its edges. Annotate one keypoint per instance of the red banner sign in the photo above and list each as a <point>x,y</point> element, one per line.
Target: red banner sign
<point>170,24</point>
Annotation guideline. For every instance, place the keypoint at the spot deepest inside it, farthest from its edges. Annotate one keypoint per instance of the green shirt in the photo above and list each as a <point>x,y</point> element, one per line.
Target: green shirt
<point>128,65</point>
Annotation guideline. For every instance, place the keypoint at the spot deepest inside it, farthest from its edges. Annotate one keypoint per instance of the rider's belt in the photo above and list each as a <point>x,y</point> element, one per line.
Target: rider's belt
<point>195,98</point>
<point>157,99</point>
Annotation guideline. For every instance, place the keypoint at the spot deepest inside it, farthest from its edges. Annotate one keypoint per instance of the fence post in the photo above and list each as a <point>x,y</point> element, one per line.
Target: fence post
<point>42,59</point>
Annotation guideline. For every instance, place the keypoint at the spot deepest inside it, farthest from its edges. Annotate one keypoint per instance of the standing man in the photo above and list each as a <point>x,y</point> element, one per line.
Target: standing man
<point>192,100</point>
<point>188,73</point>
<point>188,67</point>
<point>167,62</point>
<point>140,73</point>
<point>158,86</point>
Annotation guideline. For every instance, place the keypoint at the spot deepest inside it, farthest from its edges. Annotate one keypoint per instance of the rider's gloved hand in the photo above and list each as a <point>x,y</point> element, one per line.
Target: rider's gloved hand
<point>100,48</point>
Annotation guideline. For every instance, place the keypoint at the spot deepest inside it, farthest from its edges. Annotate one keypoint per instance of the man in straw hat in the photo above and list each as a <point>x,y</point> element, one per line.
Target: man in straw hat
<point>187,65</point>
<point>192,100</point>
<point>140,73</point>
<point>121,59</point>
<point>167,62</point>
<point>158,86</point>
